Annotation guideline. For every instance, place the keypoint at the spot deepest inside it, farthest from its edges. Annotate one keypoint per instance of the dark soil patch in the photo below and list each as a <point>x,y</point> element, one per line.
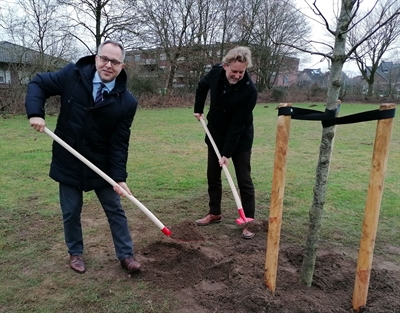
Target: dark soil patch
<point>217,271</point>
<point>256,226</point>
<point>186,231</point>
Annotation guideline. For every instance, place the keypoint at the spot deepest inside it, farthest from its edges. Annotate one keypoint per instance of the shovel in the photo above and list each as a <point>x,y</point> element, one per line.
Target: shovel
<point>150,215</point>
<point>242,219</point>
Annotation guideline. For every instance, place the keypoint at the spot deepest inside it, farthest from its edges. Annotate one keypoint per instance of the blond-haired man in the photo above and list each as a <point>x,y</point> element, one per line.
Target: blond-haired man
<point>233,97</point>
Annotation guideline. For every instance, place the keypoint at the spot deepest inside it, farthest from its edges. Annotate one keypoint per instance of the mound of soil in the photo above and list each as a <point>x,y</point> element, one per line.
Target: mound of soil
<point>212,269</point>
<point>186,231</point>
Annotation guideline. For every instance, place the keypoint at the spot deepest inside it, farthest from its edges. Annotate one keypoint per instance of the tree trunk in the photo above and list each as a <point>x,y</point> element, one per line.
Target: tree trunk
<point>315,214</point>
<point>171,76</point>
<point>370,90</point>
<point>322,172</point>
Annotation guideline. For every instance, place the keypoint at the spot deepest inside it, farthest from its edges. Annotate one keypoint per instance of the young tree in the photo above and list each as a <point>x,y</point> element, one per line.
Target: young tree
<point>338,53</point>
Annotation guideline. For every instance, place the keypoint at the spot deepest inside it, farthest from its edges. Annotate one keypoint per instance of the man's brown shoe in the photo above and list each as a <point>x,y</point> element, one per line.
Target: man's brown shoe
<point>77,264</point>
<point>130,265</point>
<point>209,219</point>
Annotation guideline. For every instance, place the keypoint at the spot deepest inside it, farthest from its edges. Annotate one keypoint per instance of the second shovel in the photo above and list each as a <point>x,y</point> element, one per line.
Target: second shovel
<point>242,219</point>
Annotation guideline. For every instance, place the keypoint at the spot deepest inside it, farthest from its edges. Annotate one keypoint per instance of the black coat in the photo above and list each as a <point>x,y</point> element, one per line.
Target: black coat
<point>230,118</point>
<point>100,134</point>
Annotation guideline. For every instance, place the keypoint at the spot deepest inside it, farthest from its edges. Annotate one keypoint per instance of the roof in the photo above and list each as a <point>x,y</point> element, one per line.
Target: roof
<point>313,74</point>
<point>16,54</point>
<point>385,70</point>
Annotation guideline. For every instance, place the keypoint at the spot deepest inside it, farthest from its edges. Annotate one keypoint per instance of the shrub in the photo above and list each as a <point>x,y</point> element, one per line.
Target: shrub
<point>278,94</point>
<point>143,85</point>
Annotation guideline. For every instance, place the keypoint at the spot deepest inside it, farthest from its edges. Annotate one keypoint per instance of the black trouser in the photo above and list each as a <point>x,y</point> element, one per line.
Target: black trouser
<point>241,162</point>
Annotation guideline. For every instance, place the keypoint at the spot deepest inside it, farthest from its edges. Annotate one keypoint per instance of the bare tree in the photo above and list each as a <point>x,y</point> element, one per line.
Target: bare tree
<point>170,25</point>
<point>262,24</point>
<point>382,41</point>
<point>337,53</point>
<point>38,44</point>
<point>227,21</point>
<point>36,25</point>
<point>92,21</point>
<point>210,34</point>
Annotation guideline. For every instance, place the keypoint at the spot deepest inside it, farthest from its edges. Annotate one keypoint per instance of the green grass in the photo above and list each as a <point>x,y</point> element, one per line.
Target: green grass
<point>166,169</point>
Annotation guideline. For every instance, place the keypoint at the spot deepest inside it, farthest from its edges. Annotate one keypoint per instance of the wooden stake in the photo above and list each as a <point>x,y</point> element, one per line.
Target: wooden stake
<point>372,208</point>
<point>277,193</point>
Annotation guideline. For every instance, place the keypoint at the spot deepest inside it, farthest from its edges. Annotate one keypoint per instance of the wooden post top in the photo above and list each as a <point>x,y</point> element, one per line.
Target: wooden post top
<point>281,105</point>
<point>387,106</point>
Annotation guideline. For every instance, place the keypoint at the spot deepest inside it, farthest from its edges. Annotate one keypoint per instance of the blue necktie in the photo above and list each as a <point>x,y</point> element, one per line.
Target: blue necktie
<point>99,94</point>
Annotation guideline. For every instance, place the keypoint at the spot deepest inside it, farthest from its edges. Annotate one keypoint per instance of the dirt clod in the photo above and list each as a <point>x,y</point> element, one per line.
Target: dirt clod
<point>256,226</point>
<point>186,231</point>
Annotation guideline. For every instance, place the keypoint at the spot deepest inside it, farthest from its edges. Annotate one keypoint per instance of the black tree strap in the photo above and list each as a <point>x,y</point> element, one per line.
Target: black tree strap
<point>328,117</point>
<point>361,117</point>
<point>307,114</point>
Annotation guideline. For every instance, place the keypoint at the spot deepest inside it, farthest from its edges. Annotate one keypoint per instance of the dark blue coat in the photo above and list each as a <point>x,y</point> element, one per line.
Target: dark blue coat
<point>101,134</point>
<point>230,119</point>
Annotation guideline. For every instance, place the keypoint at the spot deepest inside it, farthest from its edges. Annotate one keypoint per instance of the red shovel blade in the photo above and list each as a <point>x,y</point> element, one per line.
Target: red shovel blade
<point>243,219</point>
<point>166,231</point>
<point>240,221</point>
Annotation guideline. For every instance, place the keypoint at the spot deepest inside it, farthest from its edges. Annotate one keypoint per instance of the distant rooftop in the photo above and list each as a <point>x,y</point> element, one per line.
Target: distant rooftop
<point>16,54</point>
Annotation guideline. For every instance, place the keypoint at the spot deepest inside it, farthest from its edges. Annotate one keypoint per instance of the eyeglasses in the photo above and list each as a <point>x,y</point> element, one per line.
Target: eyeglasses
<point>105,60</point>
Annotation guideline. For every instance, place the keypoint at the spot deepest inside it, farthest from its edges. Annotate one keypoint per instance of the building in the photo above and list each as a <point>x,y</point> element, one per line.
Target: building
<point>288,74</point>
<point>191,62</point>
<point>387,79</point>
<point>18,64</point>
<point>312,78</point>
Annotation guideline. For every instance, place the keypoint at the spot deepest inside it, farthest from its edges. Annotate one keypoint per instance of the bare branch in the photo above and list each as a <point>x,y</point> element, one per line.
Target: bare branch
<point>379,25</point>
<point>325,55</point>
<point>318,13</point>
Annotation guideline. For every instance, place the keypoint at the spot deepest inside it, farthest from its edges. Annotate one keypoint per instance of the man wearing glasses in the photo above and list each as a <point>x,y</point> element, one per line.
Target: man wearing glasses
<point>95,117</point>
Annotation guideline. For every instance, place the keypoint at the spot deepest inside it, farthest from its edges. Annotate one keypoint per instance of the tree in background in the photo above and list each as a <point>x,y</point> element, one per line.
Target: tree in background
<point>191,34</point>
<point>93,21</point>
<point>39,44</point>
<point>380,42</point>
<point>37,25</point>
<point>184,31</point>
<point>262,24</point>
<point>170,25</point>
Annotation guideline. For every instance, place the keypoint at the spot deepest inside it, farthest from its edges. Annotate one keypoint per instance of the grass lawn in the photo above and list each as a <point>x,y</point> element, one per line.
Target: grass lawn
<point>166,169</point>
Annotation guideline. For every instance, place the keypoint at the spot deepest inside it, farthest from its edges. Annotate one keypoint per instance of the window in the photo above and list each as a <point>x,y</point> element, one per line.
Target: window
<point>5,77</point>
